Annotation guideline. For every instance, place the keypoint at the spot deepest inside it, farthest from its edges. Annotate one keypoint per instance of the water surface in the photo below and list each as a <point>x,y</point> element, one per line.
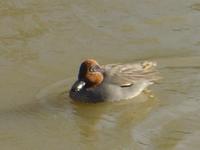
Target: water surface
<point>42,43</point>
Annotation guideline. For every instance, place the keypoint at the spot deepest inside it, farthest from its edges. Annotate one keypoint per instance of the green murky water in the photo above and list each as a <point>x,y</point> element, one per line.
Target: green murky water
<point>42,43</point>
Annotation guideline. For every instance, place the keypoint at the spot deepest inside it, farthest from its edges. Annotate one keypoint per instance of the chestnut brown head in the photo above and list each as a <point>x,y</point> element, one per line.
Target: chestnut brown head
<point>91,73</point>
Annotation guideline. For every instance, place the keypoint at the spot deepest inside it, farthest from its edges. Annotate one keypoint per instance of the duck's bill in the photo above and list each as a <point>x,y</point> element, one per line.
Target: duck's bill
<point>78,85</point>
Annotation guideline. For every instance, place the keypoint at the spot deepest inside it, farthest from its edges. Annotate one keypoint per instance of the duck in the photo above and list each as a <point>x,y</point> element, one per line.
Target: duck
<point>112,82</point>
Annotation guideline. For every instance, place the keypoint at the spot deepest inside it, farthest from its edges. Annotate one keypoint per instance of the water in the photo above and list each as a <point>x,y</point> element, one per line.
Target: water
<point>41,46</point>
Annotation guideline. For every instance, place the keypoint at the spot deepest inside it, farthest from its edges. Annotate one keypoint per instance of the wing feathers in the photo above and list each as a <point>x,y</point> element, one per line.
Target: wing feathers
<point>126,74</point>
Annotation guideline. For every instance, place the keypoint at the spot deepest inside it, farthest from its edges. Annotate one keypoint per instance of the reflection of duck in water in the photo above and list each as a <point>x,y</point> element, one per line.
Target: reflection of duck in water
<point>97,122</point>
<point>112,82</point>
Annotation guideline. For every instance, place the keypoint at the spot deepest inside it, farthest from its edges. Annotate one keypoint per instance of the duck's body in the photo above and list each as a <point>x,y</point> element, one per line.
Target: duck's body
<point>112,82</point>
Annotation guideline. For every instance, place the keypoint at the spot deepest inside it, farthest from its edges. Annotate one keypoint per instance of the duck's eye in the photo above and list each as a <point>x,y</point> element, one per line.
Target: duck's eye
<point>94,68</point>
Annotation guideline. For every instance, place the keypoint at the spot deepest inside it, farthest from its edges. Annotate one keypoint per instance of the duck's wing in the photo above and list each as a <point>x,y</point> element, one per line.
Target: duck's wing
<point>128,74</point>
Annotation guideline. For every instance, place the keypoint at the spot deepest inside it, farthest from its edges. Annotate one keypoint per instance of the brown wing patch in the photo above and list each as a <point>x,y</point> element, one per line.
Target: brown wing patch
<point>127,74</point>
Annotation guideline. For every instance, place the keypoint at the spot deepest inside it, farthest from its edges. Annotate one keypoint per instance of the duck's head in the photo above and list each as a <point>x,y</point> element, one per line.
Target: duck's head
<point>90,74</point>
